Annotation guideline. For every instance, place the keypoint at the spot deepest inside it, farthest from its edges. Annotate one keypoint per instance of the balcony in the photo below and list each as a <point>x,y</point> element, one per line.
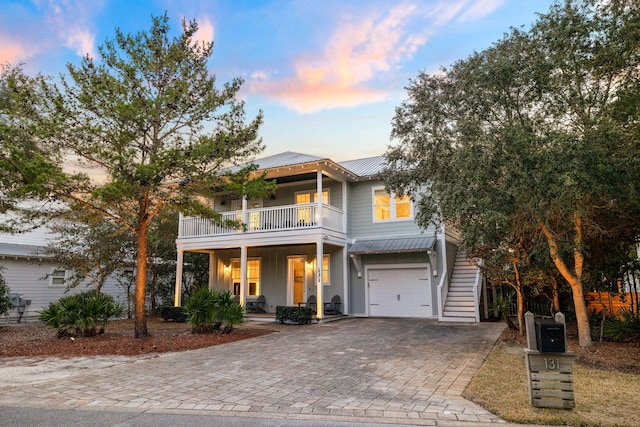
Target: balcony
<point>265,220</point>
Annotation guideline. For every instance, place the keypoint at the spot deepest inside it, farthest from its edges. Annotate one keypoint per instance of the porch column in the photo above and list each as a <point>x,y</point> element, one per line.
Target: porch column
<point>178,289</point>
<point>245,214</point>
<point>212,269</point>
<point>345,280</point>
<point>243,274</point>
<point>319,201</point>
<point>319,290</point>
<point>344,206</point>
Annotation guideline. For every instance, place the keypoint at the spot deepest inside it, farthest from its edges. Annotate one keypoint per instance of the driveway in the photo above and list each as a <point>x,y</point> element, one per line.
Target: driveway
<point>385,370</point>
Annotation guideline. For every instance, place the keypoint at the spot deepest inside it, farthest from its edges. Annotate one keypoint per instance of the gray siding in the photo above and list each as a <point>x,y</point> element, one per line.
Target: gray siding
<point>360,216</point>
<point>30,278</point>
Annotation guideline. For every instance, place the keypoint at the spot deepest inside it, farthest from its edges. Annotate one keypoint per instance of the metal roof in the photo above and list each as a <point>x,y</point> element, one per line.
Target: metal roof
<point>382,246</point>
<point>365,167</point>
<point>285,159</point>
<point>14,250</point>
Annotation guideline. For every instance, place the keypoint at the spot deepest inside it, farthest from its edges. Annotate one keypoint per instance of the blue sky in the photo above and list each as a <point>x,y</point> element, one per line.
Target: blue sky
<point>327,74</point>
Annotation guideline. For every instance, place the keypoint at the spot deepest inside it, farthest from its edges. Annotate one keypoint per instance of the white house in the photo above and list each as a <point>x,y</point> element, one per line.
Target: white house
<point>332,229</point>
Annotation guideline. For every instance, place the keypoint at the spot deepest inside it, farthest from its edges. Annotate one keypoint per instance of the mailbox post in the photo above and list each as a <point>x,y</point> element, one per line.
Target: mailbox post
<point>549,366</point>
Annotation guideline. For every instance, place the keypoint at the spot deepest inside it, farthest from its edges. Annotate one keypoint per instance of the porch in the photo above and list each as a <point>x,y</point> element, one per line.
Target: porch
<point>271,317</point>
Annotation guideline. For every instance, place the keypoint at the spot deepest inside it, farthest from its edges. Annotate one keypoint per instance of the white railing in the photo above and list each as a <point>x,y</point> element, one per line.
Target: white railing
<point>289,217</point>
<point>476,293</point>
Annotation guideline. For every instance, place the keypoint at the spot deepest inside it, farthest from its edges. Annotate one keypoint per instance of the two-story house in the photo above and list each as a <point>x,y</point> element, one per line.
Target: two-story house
<point>332,229</point>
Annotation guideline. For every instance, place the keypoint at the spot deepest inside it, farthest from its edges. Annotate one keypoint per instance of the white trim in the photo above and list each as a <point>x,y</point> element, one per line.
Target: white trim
<point>244,290</point>
<point>64,278</point>
<point>392,207</point>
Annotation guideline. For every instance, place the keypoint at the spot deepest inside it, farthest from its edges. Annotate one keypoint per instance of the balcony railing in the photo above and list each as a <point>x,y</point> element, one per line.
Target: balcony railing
<point>280,218</point>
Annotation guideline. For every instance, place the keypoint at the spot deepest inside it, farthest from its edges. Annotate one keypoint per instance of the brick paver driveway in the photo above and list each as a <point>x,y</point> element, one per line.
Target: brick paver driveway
<point>409,370</point>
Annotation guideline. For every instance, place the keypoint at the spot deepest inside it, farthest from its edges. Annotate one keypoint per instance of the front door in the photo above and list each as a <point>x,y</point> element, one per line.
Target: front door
<point>296,280</point>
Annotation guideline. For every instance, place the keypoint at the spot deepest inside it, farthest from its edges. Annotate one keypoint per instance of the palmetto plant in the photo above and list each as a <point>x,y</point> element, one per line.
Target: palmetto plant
<point>85,314</point>
<point>213,311</point>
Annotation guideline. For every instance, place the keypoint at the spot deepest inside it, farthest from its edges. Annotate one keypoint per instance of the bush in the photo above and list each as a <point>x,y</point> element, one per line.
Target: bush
<point>85,314</point>
<point>623,327</point>
<point>176,314</point>
<point>213,311</point>
<point>299,315</point>
<point>5,300</point>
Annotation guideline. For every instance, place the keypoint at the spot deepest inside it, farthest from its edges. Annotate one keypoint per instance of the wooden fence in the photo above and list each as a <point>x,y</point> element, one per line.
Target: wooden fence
<point>613,303</point>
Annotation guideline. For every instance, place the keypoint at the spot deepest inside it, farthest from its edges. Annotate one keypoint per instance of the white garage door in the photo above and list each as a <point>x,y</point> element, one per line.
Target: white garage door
<point>399,292</point>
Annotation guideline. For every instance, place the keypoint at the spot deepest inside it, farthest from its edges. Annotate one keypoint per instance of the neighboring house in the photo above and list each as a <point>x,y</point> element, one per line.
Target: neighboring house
<point>35,279</point>
<point>332,229</point>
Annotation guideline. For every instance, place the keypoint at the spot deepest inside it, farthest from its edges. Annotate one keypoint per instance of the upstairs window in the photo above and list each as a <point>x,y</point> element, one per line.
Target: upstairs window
<point>388,207</point>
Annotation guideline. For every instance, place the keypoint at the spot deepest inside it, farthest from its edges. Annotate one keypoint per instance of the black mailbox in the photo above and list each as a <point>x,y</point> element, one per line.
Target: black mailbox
<point>550,336</point>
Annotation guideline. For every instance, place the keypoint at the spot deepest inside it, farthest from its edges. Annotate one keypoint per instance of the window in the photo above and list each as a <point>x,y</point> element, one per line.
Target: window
<point>388,207</point>
<point>253,277</point>
<point>305,198</point>
<point>56,278</point>
<point>325,270</point>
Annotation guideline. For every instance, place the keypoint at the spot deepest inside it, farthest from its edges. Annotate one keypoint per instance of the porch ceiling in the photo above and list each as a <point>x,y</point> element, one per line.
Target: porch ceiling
<point>382,246</point>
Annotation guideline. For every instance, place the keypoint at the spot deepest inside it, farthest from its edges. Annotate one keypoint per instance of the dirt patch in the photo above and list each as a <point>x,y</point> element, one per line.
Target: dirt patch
<point>608,356</point>
<point>36,340</point>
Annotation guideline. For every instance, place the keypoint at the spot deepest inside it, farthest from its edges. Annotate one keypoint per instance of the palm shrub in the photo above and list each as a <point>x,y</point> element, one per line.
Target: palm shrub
<point>5,299</point>
<point>85,314</point>
<point>625,326</point>
<point>213,311</point>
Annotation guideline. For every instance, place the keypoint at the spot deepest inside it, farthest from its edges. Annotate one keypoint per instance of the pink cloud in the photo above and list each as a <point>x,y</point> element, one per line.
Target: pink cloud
<point>357,52</point>
<point>12,51</point>
<point>205,31</point>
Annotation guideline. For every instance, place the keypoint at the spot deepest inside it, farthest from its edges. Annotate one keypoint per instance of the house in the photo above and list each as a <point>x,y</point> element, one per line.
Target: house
<point>332,229</point>
<point>35,280</point>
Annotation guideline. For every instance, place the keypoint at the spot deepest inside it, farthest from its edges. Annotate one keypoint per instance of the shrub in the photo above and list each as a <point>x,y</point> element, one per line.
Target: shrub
<point>5,300</point>
<point>625,326</point>
<point>176,314</point>
<point>299,315</point>
<point>85,314</point>
<point>213,311</point>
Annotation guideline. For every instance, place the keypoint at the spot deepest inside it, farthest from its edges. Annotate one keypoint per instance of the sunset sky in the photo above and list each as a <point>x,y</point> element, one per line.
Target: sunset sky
<point>327,74</point>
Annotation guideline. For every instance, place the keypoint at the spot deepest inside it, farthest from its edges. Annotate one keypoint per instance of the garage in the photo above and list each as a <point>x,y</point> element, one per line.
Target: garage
<point>399,291</point>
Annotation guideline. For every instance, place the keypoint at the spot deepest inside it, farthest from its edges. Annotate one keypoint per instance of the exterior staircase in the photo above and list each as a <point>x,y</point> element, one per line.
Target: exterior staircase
<point>459,305</point>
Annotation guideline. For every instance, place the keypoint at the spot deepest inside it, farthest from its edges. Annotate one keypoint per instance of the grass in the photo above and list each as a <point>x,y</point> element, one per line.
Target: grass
<point>603,398</point>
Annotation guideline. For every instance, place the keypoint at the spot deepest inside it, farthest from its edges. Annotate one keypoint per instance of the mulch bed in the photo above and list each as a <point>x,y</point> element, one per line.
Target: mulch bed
<point>36,340</point>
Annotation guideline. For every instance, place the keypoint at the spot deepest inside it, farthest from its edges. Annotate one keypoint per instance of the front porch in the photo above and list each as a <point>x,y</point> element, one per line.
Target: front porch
<point>271,317</point>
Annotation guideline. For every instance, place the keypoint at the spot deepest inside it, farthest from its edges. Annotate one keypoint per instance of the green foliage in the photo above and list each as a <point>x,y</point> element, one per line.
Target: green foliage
<point>299,315</point>
<point>502,303</point>
<point>175,314</point>
<point>624,326</point>
<point>148,115</point>
<point>213,311</point>
<point>85,314</point>
<point>5,300</point>
<point>526,142</point>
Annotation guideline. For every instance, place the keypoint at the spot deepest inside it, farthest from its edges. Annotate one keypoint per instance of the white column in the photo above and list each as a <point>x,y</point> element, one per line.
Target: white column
<point>245,214</point>
<point>178,289</point>
<point>344,206</point>
<point>346,266</point>
<point>212,269</point>
<point>243,274</point>
<point>319,290</point>
<point>319,201</point>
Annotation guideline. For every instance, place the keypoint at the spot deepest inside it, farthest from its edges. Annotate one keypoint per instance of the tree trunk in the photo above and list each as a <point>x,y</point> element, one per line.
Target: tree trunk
<point>520,301</point>
<point>575,282</point>
<point>140,316</point>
